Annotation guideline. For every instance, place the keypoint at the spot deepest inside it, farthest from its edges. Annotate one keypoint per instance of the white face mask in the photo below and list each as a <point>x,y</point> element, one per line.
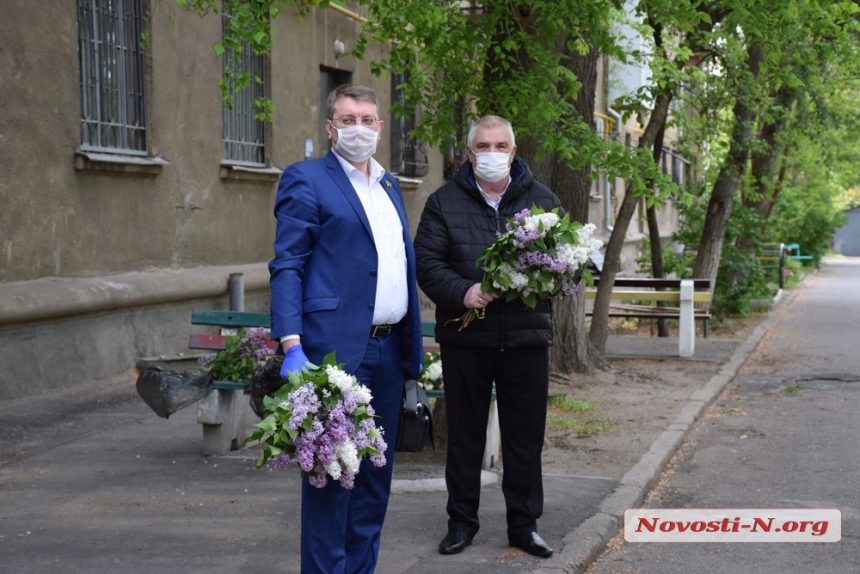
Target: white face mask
<point>356,143</point>
<point>492,166</point>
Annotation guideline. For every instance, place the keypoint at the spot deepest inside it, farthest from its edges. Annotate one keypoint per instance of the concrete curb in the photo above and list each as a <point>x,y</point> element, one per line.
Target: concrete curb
<point>584,544</point>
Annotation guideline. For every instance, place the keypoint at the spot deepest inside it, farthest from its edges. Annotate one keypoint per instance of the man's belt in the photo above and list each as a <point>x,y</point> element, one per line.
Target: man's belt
<point>381,331</point>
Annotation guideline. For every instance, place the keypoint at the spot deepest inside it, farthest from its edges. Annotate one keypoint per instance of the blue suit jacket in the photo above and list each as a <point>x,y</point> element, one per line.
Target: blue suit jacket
<point>323,274</point>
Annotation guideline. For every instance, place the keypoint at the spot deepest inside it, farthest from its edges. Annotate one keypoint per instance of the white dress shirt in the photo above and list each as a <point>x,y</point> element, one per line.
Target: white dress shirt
<point>392,291</point>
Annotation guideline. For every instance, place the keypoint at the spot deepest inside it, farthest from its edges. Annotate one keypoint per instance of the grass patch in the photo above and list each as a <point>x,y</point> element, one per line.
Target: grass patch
<point>565,413</point>
<point>794,389</point>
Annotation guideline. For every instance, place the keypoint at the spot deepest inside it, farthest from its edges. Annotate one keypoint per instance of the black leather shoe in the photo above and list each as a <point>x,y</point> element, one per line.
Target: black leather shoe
<point>455,542</point>
<point>531,543</point>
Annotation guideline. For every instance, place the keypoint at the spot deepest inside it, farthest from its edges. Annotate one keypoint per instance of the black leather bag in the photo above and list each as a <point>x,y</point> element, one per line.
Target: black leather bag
<point>416,420</point>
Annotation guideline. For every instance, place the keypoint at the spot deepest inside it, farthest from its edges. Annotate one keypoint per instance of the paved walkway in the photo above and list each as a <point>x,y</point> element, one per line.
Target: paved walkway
<point>92,481</point>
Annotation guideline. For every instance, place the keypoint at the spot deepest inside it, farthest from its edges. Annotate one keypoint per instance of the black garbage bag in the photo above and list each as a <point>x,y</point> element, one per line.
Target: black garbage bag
<point>168,391</point>
<point>265,382</point>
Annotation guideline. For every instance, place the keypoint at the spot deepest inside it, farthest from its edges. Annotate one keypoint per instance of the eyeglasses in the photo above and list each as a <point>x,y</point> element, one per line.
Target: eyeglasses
<point>366,121</point>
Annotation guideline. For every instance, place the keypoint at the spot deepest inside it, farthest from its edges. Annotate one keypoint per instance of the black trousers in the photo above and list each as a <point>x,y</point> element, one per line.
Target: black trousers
<point>521,376</point>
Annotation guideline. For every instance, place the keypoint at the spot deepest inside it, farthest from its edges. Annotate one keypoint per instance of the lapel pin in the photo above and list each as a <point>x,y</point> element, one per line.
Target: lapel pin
<point>388,184</point>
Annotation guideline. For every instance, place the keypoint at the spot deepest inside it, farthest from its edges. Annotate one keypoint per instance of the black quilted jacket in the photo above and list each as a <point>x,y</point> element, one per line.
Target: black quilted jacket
<point>456,226</point>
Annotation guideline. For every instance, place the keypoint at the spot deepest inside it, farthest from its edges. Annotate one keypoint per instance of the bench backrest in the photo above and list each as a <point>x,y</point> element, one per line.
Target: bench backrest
<point>652,283</point>
<point>228,320</point>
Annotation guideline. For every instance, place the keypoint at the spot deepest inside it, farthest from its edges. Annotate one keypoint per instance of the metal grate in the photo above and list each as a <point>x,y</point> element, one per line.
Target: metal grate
<point>113,102</point>
<point>244,135</point>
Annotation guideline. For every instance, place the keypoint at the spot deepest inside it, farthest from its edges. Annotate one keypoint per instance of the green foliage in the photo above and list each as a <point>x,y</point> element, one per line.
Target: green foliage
<point>242,354</point>
<point>677,261</point>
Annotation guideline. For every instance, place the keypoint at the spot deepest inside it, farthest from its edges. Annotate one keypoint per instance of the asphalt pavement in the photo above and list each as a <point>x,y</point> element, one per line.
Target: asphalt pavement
<point>92,481</point>
<point>782,438</point>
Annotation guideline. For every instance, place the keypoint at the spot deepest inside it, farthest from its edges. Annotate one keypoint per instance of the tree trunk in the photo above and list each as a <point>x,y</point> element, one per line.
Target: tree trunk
<point>612,258</point>
<point>654,235</point>
<point>720,205</point>
<point>571,351</point>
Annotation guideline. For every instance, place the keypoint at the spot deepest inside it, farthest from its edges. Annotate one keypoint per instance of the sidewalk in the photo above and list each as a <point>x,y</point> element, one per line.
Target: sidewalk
<point>92,481</point>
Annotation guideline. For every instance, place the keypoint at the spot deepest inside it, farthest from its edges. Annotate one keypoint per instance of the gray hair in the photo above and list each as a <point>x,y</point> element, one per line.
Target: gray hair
<point>354,91</point>
<point>490,122</point>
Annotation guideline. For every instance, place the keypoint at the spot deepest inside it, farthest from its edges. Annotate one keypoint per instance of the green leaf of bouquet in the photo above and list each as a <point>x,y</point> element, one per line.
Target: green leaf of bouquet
<point>530,300</point>
<point>588,278</point>
<point>504,280</point>
<point>308,423</point>
<point>268,424</point>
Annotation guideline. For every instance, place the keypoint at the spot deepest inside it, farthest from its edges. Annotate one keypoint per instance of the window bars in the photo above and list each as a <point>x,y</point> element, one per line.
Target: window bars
<point>113,98</point>
<point>244,135</point>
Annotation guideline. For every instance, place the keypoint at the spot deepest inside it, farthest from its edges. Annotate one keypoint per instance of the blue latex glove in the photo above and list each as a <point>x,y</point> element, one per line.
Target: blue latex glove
<point>294,359</point>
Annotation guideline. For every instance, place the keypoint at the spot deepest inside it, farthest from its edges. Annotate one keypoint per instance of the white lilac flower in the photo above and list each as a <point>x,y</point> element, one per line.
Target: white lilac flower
<point>349,456</point>
<point>361,394</point>
<point>548,219</point>
<point>585,232</point>
<point>338,378</point>
<point>434,371</point>
<point>520,280</point>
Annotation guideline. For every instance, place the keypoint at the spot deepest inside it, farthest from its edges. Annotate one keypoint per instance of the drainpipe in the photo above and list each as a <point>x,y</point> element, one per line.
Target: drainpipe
<point>607,200</point>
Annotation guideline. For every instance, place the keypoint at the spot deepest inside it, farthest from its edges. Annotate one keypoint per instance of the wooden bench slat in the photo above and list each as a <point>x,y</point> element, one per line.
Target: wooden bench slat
<point>216,342</point>
<point>230,318</point>
<point>655,283</point>
<point>207,342</point>
<point>651,315</point>
<point>636,295</point>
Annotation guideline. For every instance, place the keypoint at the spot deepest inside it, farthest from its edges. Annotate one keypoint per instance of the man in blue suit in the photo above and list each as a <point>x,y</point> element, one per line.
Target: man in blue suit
<point>343,280</point>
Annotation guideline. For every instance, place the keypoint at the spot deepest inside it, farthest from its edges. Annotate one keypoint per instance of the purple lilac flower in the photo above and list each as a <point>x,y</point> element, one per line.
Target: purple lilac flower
<point>305,454</point>
<point>282,462</point>
<point>325,449</point>
<point>305,402</point>
<point>337,425</point>
<point>318,480</point>
<point>349,403</point>
<point>523,236</point>
<point>347,480</point>
<point>542,260</point>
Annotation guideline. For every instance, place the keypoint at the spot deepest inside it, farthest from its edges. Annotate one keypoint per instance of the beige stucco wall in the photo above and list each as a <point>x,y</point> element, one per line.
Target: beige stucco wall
<point>59,222</point>
<point>115,262</point>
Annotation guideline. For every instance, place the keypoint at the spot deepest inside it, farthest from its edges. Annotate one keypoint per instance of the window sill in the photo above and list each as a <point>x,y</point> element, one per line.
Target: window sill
<point>242,173</point>
<point>408,183</point>
<point>118,164</point>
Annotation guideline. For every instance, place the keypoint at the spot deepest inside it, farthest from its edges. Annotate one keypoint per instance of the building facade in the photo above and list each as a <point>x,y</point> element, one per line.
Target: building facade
<point>131,192</point>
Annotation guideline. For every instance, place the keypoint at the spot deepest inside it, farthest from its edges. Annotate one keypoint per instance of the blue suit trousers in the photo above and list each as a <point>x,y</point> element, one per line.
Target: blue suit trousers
<point>341,529</point>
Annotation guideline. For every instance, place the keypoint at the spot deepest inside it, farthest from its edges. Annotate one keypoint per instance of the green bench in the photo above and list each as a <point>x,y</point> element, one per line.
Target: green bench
<point>226,413</point>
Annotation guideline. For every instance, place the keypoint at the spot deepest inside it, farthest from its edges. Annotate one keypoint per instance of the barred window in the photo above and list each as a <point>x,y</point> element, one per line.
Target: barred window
<point>113,102</point>
<point>244,135</point>
<point>408,154</point>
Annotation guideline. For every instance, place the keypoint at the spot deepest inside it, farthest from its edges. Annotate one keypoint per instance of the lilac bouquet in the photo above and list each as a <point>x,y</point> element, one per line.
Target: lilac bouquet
<point>539,256</point>
<point>322,419</point>
<point>242,354</point>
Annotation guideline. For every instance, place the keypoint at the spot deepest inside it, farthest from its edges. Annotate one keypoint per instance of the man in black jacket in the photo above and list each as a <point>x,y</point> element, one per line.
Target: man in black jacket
<point>508,346</point>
